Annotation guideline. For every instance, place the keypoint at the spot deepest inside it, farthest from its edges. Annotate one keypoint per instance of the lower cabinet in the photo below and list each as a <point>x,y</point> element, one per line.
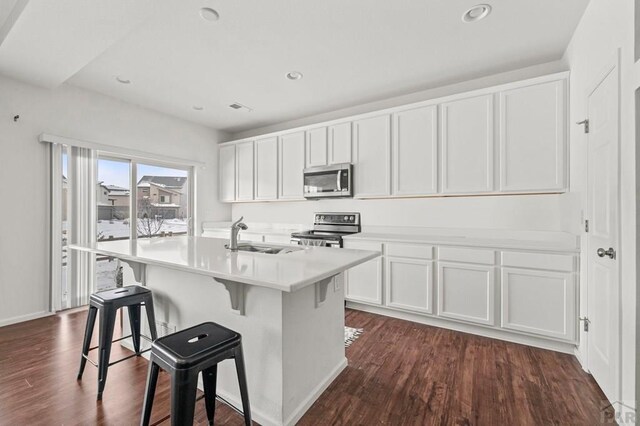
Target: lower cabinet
<point>539,302</point>
<point>466,292</point>
<point>409,284</point>
<point>530,293</point>
<point>363,283</point>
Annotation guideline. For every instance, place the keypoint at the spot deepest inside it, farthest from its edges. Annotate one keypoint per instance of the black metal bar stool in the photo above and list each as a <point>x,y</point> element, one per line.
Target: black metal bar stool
<point>184,355</point>
<point>107,303</point>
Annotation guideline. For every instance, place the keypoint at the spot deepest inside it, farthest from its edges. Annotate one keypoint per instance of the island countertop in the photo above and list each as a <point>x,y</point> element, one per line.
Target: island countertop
<point>207,256</point>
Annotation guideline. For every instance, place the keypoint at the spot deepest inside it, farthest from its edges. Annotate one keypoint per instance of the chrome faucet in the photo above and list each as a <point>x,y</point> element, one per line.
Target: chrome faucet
<point>235,228</point>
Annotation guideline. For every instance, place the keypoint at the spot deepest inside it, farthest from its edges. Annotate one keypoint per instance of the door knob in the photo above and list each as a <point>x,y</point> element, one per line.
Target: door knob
<point>611,252</point>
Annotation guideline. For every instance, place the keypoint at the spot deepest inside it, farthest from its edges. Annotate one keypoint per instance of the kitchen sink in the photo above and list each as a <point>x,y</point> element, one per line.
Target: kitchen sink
<point>265,249</point>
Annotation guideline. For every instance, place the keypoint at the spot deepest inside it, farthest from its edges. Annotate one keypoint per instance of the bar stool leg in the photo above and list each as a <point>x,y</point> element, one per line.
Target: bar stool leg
<point>134,320</point>
<point>183,397</point>
<point>242,381</point>
<point>88,333</point>
<point>107,324</point>
<point>152,380</point>
<point>209,377</point>
<point>151,317</point>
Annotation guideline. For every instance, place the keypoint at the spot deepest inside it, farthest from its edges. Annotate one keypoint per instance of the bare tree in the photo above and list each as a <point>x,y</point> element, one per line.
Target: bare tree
<point>150,218</point>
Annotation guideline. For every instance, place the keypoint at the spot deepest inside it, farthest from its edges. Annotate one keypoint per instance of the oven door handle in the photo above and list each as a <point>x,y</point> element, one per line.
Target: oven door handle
<point>338,181</point>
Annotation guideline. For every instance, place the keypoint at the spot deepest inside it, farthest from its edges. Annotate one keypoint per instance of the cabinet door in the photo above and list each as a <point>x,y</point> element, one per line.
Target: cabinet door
<point>316,147</point>
<point>227,161</point>
<point>266,169</point>
<point>340,143</point>
<point>415,151</point>
<point>244,167</point>
<point>291,166</point>
<point>539,302</point>
<point>533,138</point>
<point>363,283</point>
<point>467,145</point>
<point>466,292</point>
<point>371,155</point>
<point>409,284</point>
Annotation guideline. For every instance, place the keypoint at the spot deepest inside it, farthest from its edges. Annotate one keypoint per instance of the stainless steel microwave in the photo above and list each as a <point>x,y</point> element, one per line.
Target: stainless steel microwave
<point>328,181</point>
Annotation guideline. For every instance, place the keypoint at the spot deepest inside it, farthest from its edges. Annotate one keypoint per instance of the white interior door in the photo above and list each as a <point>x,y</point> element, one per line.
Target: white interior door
<point>602,237</point>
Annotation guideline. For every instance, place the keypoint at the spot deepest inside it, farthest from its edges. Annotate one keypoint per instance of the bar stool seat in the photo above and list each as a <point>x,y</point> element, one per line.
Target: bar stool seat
<point>184,355</point>
<point>107,304</point>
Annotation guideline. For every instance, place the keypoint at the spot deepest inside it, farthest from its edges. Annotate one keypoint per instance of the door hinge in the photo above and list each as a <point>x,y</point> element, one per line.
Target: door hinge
<point>586,124</point>
<point>586,322</point>
<point>586,225</point>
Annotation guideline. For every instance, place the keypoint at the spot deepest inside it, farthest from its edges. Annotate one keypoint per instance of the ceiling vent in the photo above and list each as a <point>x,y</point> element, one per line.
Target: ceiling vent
<point>240,107</point>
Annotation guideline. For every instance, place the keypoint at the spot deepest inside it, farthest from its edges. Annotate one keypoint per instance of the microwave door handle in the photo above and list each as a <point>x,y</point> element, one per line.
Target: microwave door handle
<point>338,181</point>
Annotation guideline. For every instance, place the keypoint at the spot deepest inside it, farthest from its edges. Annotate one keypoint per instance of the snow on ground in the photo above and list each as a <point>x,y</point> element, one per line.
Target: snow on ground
<point>120,228</point>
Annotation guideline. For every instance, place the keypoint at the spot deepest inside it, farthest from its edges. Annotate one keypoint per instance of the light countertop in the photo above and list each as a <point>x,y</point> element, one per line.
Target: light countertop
<point>492,238</point>
<point>207,256</point>
<point>284,229</point>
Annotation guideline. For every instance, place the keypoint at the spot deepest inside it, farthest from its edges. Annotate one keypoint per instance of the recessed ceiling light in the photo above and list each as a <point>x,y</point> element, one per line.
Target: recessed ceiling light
<point>476,13</point>
<point>209,14</point>
<point>198,107</point>
<point>123,80</point>
<point>294,75</point>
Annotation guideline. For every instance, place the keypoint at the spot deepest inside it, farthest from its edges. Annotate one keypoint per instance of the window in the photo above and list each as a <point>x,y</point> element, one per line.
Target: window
<point>101,196</point>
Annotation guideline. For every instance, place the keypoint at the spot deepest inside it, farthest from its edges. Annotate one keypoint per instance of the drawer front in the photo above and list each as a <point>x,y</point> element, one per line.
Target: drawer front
<point>412,251</point>
<point>552,262</point>
<point>467,255</point>
<point>363,245</point>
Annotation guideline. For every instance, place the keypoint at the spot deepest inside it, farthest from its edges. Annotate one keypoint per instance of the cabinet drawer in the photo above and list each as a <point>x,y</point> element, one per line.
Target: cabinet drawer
<point>467,255</point>
<point>415,251</point>
<point>553,262</point>
<point>363,245</point>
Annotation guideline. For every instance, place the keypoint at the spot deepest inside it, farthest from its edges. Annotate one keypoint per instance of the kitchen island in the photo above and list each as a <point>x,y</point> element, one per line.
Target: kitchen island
<point>288,305</point>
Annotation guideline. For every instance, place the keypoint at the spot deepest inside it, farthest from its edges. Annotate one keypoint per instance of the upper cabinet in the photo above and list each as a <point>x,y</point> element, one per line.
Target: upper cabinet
<point>292,160</point>
<point>227,168</point>
<point>415,151</point>
<point>533,138</point>
<point>244,171</point>
<point>266,169</point>
<point>339,149</point>
<point>467,145</point>
<point>316,147</point>
<point>507,139</point>
<point>372,156</point>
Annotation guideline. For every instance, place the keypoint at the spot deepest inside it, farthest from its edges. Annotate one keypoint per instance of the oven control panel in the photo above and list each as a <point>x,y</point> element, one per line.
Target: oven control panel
<point>337,218</point>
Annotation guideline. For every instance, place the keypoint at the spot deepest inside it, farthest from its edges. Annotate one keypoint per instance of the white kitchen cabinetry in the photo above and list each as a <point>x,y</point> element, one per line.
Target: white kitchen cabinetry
<point>466,292</point>
<point>415,151</point>
<point>363,283</point>
<point>266,169</point>
<point>227,165</point>
<point>244,169</point>
<point>372,156</point>
<point>316,147</point>
<point>291,153</point>
<point>339,149</point>
<point>533,138</point>
<point>467,145</point>
<point>409,284</point>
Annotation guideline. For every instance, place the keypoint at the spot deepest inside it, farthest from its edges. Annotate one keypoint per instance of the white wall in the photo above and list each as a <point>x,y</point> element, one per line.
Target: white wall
<point>540,212</point>
<point>80,114</point>
<point>605,27</point>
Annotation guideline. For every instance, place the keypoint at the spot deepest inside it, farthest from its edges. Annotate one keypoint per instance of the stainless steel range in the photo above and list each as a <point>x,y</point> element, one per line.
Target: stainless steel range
<point>328,230</point>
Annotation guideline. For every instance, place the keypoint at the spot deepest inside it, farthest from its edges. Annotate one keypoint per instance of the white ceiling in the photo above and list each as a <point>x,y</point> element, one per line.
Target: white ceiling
<point>350,52</point>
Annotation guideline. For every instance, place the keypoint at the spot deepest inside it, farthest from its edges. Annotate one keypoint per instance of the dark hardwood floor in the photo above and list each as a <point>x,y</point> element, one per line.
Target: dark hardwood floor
<point>400,373</point>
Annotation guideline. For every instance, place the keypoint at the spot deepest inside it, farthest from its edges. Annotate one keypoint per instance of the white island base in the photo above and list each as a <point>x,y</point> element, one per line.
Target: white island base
<point>293,350</point>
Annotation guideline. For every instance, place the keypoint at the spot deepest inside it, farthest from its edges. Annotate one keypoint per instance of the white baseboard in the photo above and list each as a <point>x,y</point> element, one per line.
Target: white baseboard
<point>322,386</point>
<point>23,318</point>
<point>552,345</point>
